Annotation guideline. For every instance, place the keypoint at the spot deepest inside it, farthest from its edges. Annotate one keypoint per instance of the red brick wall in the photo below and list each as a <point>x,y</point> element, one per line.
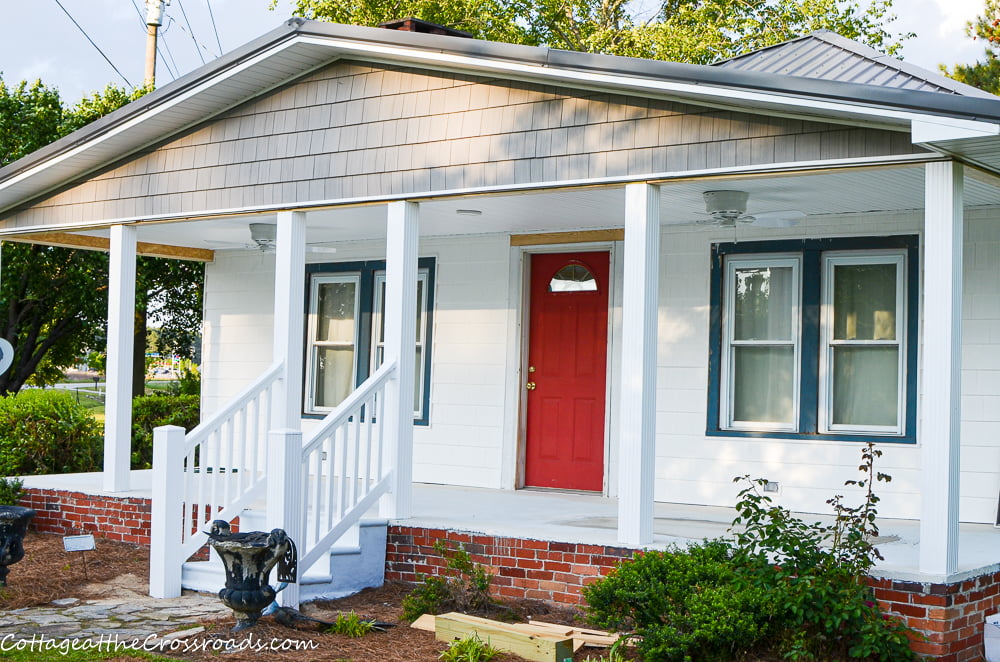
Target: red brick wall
<point>950,616</point>
<point>71,513</point>
<point>537,569</point>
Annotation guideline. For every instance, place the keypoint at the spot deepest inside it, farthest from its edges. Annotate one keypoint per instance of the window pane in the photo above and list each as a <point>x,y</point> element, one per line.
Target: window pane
<point>418,387</point>
<point>334,375</point>
<point>335,312</point>
<point>762,384</point>
<point>865,385</point>
<point>864,302</point>
<point>420,308</point>
<point>573,278</point>
<point>764,301</point>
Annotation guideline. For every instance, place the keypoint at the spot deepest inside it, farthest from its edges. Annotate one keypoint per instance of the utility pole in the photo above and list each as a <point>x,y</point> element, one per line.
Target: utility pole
<point>154,19</point>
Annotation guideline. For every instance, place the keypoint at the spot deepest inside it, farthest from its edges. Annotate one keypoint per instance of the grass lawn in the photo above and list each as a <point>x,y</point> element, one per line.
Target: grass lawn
<point>8,652</point>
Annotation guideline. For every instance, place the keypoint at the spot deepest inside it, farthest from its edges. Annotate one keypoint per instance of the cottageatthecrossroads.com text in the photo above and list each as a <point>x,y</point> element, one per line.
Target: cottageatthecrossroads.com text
<point>152,643</point>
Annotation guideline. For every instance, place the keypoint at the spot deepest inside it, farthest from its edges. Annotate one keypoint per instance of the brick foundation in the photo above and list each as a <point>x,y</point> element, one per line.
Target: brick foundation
<point>950,616</point>
<point>536,569</point>
<point>71,513</point>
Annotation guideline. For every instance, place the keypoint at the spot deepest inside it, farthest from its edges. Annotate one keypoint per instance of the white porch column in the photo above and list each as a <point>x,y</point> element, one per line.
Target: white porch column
<point>121,325</point>
<point>940,407</point>
<point>289,295</point>
<point>402,238</point>
<point>284,498</point>
<point>637,428</point>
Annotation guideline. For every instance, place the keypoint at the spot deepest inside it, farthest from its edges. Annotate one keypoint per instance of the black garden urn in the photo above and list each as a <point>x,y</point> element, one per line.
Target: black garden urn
<point>13,525</point>
<point>248,559</point>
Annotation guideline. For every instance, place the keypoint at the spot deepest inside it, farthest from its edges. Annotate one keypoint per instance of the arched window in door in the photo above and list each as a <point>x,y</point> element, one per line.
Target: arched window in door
<point>573,278</point>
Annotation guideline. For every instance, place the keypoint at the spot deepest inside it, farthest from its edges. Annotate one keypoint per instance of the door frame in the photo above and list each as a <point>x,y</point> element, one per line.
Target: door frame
<point>515,414</point>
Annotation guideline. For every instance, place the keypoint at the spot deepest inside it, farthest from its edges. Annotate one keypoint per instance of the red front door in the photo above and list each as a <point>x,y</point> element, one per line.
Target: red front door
<point>567,355</point>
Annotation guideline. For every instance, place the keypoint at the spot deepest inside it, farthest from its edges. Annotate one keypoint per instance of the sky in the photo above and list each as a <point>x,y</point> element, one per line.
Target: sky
<point>39,40</point>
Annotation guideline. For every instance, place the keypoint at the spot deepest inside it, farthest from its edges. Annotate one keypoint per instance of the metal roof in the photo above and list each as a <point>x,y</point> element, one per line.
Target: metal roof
<point>300,46</point>
<point>825,55</point>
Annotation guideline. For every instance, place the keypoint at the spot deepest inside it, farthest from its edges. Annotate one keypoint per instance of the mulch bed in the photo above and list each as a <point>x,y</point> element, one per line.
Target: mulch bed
<point>48,572</point>
<point>400,643</point>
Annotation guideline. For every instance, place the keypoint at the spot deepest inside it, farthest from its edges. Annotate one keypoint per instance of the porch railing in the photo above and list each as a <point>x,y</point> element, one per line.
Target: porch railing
<point>343,468</point>
<point>213,472</point>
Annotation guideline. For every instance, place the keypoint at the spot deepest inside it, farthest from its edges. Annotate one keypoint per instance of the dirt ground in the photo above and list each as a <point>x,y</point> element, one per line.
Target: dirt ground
<point>48,572</point>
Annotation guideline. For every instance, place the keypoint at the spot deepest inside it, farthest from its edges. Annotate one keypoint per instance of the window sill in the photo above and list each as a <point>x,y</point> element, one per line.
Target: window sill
<point>812,436</point>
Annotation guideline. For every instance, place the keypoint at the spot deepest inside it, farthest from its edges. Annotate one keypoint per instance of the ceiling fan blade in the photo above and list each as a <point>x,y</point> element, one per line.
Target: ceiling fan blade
<point>775,219</point>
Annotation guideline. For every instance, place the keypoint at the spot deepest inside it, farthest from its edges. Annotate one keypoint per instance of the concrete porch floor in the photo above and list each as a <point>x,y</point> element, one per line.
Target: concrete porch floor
<point>584,518</point>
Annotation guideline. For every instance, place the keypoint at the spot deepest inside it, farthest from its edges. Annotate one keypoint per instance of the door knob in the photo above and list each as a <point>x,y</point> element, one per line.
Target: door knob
<point>530,386</point>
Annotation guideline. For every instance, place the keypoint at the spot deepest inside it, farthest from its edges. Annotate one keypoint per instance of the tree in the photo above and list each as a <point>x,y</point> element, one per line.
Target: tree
<point>53,301</point>
<point>698,31</point>
<point>984,74</point>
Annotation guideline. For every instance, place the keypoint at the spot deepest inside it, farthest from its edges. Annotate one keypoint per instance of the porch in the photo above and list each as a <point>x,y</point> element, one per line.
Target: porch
<point>548,516</point>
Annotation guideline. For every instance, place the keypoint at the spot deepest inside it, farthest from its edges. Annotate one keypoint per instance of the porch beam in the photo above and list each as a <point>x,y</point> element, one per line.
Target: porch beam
<point>121,324</point>
<point>637,427</point>
<point>402,240</point>
<point>941,405</point>
<point>289,294</point>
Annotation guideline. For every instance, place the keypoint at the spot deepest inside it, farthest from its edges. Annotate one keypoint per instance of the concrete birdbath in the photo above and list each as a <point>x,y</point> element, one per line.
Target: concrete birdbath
<point>248,559</point>
<point>13,525</point>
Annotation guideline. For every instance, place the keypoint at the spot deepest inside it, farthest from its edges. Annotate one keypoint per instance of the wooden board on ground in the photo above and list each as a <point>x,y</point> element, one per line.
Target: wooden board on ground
<point>580,636</point>
<point>425,622</point>
<point>538,647</point>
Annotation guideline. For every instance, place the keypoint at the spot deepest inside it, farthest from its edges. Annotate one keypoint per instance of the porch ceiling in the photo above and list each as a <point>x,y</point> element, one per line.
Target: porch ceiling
<point>862,190</point>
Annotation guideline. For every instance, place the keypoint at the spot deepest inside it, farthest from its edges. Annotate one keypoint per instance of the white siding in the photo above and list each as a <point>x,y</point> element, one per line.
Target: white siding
<point>462,444</point>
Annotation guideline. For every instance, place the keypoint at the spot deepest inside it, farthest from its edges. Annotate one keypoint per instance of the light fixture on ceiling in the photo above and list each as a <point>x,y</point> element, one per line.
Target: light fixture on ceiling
<point>469,212</point>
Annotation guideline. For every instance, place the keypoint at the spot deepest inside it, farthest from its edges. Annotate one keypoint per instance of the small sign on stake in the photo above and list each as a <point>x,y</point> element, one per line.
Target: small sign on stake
<point>84,543</point>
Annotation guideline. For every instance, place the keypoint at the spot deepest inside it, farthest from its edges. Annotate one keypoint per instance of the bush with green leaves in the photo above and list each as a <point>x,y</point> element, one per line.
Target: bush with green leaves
<point>683,604</point>
<point>11,489</point>
<point>47,432</point>
<point>779,586</point>
<point>465,587</point>
<point>152,411</point>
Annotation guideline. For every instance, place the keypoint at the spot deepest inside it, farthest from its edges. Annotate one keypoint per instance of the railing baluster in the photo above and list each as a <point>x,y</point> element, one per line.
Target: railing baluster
<point>356,452</point>
<point>317,491</point>
<point>330,444</point>
<point>242,440</point>
<point>342,470</point>
<point>370,408</point>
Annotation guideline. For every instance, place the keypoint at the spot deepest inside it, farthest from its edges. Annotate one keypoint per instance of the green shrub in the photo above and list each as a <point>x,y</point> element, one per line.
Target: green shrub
<point>779,587</point>
<point>152,411</point>
<point>47,432</point>
<point>351,625</point>
<point>682,604</point>
<point>11,489</point>
<point>469,649</point>
<point>466,589</point>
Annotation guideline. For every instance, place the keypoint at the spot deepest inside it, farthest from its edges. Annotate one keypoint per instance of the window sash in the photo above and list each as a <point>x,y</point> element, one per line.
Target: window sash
<point>378,335</point>
<point>316,345</point>
<point>829,345</point>
<point>731,345</point>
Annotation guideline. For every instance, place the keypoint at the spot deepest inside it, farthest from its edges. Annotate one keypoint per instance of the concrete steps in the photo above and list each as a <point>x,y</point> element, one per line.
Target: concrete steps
<point>356,562</point>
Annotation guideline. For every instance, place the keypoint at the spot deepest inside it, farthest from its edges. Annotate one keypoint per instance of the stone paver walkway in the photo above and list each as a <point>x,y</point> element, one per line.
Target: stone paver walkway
<point>121,613</point>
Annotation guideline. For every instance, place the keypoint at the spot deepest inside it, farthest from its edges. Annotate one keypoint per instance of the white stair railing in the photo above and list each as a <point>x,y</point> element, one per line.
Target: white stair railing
<point>213,472</point>
<point>343,468</point>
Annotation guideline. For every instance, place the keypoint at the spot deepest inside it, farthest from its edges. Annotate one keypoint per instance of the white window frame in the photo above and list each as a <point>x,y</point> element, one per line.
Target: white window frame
<point>733,263</point>
<point>830,260</point>
<point>314,345</point>
<point>377,346</point>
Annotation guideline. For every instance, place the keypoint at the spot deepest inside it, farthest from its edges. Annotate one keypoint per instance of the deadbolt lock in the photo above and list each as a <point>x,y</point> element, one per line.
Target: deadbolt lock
<point>530,386</point>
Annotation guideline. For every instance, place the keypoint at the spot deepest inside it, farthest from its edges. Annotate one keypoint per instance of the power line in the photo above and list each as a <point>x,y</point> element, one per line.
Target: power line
<point>191,31</point>
<point>211,15</point>
<point>142,21</point>
<point>95,45</point>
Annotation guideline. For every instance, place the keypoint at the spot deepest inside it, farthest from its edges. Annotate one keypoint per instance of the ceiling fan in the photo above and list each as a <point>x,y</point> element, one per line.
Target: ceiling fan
<point>264,235</point>
<point>727,208</point>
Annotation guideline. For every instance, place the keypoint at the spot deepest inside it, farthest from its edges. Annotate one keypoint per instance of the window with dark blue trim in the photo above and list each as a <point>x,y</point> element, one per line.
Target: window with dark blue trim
<point>815,338</point>
<point>344,313</point>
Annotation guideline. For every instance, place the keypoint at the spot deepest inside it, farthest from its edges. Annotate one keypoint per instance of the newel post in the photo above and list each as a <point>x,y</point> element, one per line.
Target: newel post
<point>284,497</point>
<point>166,512</point>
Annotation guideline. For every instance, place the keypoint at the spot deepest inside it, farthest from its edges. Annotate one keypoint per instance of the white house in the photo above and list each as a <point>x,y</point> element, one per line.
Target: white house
<point>556,270</point>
